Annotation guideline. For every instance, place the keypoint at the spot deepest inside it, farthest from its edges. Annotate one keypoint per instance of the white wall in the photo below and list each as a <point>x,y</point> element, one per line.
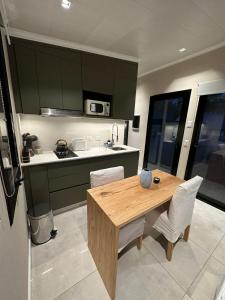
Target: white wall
<point>13,251</point>
<point>50,129</point>
<point>14,243</point>
<point>185,75</point>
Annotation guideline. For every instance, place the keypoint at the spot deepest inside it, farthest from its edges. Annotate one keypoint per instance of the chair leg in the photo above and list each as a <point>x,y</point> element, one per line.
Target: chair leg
<point>186,233</point>
<point>139,242</point>
<point>169,251</point>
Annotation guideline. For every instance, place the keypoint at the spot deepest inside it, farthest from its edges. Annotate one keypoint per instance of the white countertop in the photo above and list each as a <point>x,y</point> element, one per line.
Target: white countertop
<point>49,157</point>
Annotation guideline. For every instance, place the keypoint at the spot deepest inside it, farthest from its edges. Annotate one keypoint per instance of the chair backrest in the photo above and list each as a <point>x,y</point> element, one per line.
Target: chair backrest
<point>182,204</point>
<point>105,176</point>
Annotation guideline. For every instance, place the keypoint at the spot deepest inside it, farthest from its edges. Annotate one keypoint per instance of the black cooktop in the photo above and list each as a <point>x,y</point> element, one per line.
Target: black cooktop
<point>65,154</point>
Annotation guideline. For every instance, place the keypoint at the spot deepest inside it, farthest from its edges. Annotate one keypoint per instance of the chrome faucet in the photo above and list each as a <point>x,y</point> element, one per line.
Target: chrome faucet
<point>117,135</point>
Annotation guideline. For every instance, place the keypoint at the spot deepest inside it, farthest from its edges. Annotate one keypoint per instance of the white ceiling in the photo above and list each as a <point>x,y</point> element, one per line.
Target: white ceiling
<point>151,30</point>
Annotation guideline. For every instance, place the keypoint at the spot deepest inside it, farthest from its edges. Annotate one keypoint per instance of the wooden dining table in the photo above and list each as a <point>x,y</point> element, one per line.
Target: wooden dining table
<point>112,206</point>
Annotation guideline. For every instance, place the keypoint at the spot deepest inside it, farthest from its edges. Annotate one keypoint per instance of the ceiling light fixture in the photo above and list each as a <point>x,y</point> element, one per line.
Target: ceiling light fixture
<point>182,49</point>
<point>66,4</point>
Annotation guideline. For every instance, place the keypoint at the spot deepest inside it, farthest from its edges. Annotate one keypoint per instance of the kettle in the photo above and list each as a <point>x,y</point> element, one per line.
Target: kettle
<point>61,145</point>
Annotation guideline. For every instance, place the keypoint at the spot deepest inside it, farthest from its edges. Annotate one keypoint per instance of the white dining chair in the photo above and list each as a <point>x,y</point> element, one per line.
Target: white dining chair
<point>177,219</point>
<point>132,231</point>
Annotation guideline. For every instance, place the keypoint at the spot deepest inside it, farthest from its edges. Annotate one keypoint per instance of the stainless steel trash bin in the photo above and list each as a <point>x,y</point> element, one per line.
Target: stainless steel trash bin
<point>41,223</point>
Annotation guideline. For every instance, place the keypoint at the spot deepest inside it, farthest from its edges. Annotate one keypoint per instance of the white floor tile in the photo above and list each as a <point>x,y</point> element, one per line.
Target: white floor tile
<point>210,278</point>
<point>63,242</point>
<point>61,273</point>
<point>187,260</point>
<point>219,252</point>
<point>64,267</point>
<point>71,220</point>
<point>90,288</point>
<point>141,277</point>
<point>207,227</point>
<point>186,297</point>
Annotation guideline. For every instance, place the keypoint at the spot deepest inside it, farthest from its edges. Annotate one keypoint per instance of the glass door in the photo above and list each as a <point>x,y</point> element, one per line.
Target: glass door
<point>166,122</point>
<point>207,154</point>
<point>10,174</point>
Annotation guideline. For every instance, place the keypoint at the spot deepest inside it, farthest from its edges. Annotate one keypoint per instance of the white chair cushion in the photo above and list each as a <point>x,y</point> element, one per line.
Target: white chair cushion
<point>105,176</point>
<point>172,223</point>
<point>152,217</point>
<point>131,231</point>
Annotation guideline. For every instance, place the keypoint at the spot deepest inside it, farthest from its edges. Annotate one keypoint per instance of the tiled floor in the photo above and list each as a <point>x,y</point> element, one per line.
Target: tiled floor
<point>63,268</point>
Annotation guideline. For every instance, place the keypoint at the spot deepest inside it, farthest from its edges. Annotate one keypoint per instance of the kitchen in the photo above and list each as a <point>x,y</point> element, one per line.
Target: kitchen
<point>90,88</point>
<point>70,84</point>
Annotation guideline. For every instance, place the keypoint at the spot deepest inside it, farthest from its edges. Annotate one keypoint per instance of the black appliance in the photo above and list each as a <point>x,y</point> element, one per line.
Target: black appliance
<point>65,154</point>
<point>62,150</point>
<point>126,131</point>
<point>28,140</point>
<point>136,122</point>
<point>10,171</point>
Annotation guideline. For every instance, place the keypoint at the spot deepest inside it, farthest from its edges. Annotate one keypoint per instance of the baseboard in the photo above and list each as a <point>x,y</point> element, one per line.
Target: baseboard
<point>29,267</point>
<point>67,208</point>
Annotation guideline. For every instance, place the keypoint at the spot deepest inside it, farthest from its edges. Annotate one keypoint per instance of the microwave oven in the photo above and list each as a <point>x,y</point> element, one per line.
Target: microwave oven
<point>97,108</point>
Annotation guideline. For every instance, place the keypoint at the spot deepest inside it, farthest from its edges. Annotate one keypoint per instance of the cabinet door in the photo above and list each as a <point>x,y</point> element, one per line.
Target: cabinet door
<point>125,90</point>
<point>98,73</point>
<point>70,196</point>
<point>71,81</point>
<point>49,78</point>
<point>26,82</point>
<point>14,77</point>
<point>36,184</point>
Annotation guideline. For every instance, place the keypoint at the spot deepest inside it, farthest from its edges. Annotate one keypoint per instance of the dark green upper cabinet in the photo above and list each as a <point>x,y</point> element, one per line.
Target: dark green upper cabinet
<point>98,73</point>
<point>24,76</point>
<point>49,78</point>
<point>124,90</point>
<point>71,81</point>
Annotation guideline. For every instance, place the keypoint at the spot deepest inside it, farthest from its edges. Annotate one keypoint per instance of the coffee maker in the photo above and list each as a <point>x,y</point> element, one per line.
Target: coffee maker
<point>28,146</point>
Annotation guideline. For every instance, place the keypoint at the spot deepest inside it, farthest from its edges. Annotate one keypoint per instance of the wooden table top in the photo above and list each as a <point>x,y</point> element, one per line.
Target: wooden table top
<point>126,200</point>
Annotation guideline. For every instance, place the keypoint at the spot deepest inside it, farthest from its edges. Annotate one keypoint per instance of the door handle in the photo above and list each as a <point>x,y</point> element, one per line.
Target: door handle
<point>19,181</point>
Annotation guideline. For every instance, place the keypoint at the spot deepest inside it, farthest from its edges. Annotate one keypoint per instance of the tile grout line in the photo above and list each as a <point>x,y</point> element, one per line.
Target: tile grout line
<point>215,250</point>
<point>55,298</point>
<point>75,230</point>
<point>204,248</point>
<point>166,271</point>
<point>204,265</point>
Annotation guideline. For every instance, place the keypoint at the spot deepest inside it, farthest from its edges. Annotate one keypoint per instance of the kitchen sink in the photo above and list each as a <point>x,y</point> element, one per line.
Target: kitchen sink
<point>118,148</point>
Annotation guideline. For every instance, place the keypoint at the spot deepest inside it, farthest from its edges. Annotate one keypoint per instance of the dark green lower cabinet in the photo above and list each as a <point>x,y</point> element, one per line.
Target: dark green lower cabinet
<point>69,196</point>
<point>36,184</point>
<point>65,183</point>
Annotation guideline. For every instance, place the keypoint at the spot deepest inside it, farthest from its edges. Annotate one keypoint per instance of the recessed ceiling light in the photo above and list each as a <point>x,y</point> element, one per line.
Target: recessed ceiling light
<point>66,4</point>
<point>182,49</point>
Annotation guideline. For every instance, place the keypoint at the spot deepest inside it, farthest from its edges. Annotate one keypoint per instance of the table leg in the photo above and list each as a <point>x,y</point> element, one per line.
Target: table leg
<point>103,244</point>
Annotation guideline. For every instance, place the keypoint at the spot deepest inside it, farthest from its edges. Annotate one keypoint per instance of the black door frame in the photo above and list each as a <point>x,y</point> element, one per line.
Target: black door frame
<point>193,148</point>
<point>185,94</point>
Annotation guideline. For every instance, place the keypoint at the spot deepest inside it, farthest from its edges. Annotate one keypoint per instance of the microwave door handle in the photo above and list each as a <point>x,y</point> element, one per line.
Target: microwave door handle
<point>92,107</point>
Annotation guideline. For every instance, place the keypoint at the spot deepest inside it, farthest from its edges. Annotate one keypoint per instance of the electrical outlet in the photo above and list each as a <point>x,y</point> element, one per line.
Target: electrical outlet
<point>98,138</point>
<point>186,143</point>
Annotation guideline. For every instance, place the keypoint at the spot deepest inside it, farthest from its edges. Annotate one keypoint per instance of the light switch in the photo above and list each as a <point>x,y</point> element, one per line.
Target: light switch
<point>186,143</point>
<point>189,124</point>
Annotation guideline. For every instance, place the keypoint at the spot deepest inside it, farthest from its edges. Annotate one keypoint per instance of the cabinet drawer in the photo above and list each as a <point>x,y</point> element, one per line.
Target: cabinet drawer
<point>65,182</point>
<point>69,196</point>
<point>65,175</point>
<point>68,168</point>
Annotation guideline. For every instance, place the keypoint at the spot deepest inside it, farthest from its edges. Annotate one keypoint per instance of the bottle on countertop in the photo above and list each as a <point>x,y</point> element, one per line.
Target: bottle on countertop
<point>25,153</point>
